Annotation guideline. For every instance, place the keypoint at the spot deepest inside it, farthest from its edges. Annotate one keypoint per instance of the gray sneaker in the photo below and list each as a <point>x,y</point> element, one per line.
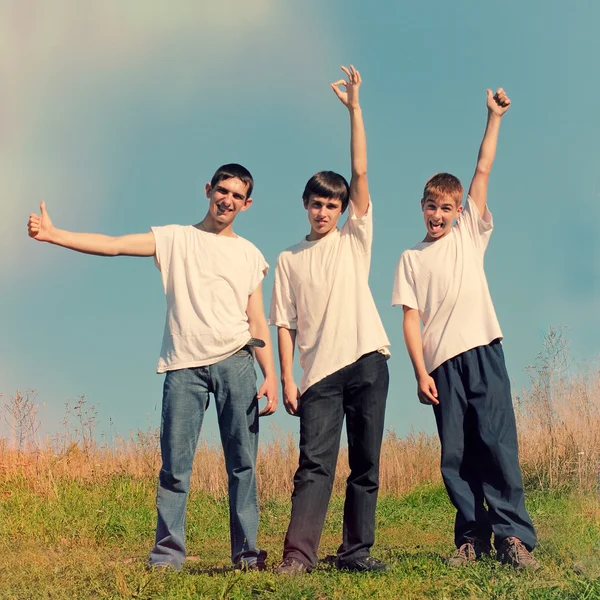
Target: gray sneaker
<point>512,552</point>
<point>291,566</point>
<point>472,550</point>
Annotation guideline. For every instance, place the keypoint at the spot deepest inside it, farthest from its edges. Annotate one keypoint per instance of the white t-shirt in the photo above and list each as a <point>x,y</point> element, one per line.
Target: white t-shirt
<point>446,282</point>
<point>207,280</point>
<point>322,290</point>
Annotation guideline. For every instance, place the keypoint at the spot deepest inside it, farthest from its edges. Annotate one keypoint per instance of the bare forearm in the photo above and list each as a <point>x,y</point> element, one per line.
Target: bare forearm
<point>286,339</point>
<point>264,356</point>
<point>104,245</point>
<point>358,142</point>
<point>414,345</point>
<point>359,186</point>
<point>487,151</point>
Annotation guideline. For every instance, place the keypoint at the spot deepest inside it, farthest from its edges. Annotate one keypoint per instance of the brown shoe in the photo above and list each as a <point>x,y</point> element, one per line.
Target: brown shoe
<point>512,552</point>
<point>291,566</point>
<point>472,550</point>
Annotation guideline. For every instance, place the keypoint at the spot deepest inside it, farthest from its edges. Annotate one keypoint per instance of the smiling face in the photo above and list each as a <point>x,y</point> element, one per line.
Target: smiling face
<point>439,213</point>
<point>323,215</point>
<point>226,199</point>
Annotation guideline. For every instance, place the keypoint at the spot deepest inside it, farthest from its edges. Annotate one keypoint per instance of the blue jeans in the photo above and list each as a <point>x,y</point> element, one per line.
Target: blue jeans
<point>358,392</point>
<point>185,398</point>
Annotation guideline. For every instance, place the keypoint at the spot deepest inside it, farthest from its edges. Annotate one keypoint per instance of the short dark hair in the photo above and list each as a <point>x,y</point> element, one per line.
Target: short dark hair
<point>233,170</point>
<point>327,184</point>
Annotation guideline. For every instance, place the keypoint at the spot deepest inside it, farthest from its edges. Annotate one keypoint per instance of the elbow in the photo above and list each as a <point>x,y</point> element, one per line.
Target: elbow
<point>114,248</point>
<point>359,172</point>
<point>484,167</point>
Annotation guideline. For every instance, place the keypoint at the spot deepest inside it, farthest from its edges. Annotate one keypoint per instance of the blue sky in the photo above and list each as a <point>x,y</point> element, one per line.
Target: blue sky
<point>116,114</point>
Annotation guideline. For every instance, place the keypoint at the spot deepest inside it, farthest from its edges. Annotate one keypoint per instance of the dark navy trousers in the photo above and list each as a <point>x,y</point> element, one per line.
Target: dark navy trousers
<point>480,463</point>
<point>357,392</point>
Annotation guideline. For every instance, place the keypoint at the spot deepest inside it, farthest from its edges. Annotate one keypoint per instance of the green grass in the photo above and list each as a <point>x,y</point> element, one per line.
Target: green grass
<point>91,541</point>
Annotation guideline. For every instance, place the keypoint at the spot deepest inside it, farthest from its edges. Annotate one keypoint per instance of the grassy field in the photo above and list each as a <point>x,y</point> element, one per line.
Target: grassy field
<point>77,514</point>
<point>91,541</point>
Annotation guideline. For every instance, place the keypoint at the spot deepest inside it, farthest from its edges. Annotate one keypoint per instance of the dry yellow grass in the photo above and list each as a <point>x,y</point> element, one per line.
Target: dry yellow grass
<point>558,418</point>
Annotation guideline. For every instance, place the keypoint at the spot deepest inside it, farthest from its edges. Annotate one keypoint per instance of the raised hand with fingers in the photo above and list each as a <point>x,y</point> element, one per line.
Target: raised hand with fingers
<point>40,227</point>
<point>349,96</point>
<point>498,103</point>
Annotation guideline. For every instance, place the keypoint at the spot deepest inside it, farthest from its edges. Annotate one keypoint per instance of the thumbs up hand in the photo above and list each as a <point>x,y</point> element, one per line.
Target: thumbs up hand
<point>39,227</point>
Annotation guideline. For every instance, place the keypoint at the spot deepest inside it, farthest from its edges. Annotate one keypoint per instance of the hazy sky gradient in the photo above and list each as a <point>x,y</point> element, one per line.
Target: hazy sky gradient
<point>117,113</point>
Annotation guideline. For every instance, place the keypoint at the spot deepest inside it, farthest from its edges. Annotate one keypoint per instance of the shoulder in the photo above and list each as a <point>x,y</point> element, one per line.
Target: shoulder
<point>168,233</point>
<point>168,228</point>
<point>250,250</point>
<point>471,213</point>
<point>292,252</point>
<point>247,244</point>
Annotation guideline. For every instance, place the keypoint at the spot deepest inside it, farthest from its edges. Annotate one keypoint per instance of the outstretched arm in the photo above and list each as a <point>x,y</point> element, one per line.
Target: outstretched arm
<point>259,329</point>
<point>426,390</point>
<point>497,105</point>
<point>40,228</point>
<point>359,187</point>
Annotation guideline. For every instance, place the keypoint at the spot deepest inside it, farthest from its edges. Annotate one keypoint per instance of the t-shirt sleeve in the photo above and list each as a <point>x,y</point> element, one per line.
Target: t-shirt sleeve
<point>164,238</point>
<point>259,269</point>
<point>361,228</point>
<point>478,227</point>
<point>404,285</point>
<point>283,302</point>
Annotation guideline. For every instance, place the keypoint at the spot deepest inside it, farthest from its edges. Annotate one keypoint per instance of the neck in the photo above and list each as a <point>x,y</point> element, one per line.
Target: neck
<point>313,236</point>
<point>211,225</point>
<point>428,239</point>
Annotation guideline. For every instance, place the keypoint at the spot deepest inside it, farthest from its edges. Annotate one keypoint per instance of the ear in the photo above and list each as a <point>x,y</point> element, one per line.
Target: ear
<point>423,204</point>
<point>305,202</point>
<point>246,204</point>
<point>207,189</point>
<point>459,209</point>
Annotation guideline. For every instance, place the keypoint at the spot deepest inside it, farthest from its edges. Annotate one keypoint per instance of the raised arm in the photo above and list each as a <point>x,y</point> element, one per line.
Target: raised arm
<point>359,187</point>
<point>259,329</point>
<point>40,228</point>
<point>497,105</point>
<point>286,339</point>
<point>426,390</point>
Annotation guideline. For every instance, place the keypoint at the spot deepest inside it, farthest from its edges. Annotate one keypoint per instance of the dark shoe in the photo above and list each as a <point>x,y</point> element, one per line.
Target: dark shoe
<point>513,552</point>
<point>468,552</point>
<point>365,563</point>
<point>291,566</point>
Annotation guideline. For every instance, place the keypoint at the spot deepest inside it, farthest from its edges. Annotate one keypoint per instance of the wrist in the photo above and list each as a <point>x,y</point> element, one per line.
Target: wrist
<point>420,374</point>
<point>354,108</point>
<point>53,235</point>
<point>287,380</point>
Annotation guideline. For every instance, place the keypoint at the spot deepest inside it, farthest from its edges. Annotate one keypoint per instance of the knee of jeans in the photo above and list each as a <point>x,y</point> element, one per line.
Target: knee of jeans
<point>178,482</point>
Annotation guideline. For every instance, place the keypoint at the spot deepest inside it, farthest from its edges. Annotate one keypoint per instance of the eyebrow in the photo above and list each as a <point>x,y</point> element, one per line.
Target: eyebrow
<point>222,189</point>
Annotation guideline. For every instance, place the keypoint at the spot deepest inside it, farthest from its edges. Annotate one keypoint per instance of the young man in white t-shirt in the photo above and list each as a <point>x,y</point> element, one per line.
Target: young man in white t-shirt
<point>322,301</point>
<point>459,362</point>
<point>215,323</point>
